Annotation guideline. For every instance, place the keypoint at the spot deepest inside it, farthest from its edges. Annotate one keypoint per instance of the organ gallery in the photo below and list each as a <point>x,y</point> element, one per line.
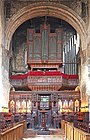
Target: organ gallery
<point>45,67</point>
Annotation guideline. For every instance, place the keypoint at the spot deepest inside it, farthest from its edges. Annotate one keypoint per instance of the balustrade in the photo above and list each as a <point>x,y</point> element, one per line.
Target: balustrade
<point>13,133</point>
<point>44,79</point>
<point>52,79</point>
<point>73,133</point>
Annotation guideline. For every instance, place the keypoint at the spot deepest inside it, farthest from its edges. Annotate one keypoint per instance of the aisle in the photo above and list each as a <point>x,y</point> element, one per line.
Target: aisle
<point>45,137</point>
<point>32,135</point>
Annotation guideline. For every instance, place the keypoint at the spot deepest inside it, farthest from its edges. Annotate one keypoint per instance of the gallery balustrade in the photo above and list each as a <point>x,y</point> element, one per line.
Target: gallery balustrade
<point>38,78</point>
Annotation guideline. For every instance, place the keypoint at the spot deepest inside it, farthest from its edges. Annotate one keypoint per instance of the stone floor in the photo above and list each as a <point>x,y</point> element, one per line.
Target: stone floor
<point>54,135</point>
<point>45,137</point>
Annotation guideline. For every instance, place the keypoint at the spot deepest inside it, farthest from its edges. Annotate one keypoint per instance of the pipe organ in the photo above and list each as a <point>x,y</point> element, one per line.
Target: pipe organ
<point>45,90</point>
<point>45,46</point>
<point>70,54</point>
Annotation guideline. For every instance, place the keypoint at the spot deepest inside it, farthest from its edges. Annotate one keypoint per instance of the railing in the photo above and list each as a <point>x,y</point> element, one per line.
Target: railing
<point>81,135</point>
<point>63,122</point>
<point>14,133</point>
<point>44,78</point>
<point>84,126</point>
<point>73,133</point>
<point>23,123</point>
<point>47,80</point>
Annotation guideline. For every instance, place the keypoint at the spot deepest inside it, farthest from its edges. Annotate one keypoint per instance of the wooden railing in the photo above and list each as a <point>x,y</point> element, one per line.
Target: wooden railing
<point>81,135</point>
<point>63,122</point>
<point>73,133</point>
<point>14,133</point>
<point>23,123</point>
<point>82,125</point>
<point>44,80</point>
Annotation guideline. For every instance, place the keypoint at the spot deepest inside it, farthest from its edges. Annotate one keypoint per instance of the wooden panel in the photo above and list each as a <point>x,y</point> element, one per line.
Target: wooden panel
<point>37,48</point>
<point>30,33</point>
<point>45,45</point>
<point>14,133</point>
<point>30,37</point>
<point>52,47</point>
<point>59,51</point>
<point>63,124</point>
<point>73,133</point>
<point>30,51</point>
<point>40,77</point>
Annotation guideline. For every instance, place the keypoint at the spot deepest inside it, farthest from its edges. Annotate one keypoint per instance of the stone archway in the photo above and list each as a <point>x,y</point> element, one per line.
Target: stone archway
<point>52,9</point>
<point>45,9</point>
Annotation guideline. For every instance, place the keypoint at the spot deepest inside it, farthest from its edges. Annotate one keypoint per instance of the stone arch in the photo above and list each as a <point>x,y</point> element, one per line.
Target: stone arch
<point>45,9</point>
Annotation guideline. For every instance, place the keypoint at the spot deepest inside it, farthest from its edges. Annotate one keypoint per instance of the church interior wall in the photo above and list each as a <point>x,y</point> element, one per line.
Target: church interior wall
<point>16,6</point>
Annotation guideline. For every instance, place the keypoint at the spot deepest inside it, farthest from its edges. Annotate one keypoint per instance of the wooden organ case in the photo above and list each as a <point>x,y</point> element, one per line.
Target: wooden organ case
<point>45,47</point>
<point>45,52</point>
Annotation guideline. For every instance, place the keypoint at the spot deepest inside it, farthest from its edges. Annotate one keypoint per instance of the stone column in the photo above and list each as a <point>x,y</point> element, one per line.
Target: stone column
<point>1,38</point>
<point>4,81</point>
<point>88,61</point>
<point>89,109</point>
